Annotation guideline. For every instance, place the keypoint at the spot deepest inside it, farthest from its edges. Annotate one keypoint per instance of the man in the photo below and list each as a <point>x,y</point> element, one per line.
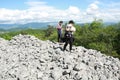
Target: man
<point>69,38</point>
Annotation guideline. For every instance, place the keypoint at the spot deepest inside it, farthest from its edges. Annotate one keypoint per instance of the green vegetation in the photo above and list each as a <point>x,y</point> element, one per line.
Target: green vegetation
<point>93,35</point>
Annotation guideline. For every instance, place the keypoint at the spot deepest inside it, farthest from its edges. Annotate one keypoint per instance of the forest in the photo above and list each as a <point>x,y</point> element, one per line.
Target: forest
<point>95,35</point>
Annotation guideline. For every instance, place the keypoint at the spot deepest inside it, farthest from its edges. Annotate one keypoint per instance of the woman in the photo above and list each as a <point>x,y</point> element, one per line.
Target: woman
<point>69,38</point>
<point>59,30</point>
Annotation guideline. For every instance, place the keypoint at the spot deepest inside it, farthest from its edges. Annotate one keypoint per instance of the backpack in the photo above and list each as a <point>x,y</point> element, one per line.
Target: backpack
<point>68,34</point>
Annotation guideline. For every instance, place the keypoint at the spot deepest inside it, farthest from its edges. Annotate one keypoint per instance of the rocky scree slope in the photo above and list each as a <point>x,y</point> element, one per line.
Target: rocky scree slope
<point>27,58</point>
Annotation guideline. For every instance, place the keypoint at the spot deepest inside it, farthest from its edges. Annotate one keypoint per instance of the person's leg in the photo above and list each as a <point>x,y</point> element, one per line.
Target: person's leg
<point>71,42</point>
<point>60,33</point>
<point>66,43</point>
<point>58,37</point>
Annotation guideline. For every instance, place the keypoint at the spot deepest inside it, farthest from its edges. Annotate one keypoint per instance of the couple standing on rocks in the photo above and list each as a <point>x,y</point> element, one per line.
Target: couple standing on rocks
<point>68,37</point>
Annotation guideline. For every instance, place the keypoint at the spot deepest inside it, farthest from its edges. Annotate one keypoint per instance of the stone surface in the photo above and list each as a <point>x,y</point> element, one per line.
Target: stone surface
<point>25,57</point>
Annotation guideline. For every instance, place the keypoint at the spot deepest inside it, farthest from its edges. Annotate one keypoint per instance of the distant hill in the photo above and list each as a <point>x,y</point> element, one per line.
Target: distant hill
<point>109,23</point>
<point>33,25</point>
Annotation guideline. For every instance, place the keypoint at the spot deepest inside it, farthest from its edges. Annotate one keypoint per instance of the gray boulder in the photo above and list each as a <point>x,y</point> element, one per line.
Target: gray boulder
<point>25,57</point>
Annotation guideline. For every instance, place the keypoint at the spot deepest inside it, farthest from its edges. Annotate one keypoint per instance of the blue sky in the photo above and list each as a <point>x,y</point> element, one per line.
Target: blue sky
<point>60,4</point>
<point>24,11</point>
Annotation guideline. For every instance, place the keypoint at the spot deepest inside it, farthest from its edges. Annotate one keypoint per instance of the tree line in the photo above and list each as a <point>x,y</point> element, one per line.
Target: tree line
<point>94,35</point>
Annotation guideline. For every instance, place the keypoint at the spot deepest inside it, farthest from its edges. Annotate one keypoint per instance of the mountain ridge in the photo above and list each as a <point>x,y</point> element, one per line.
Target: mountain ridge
<point>35,25</point>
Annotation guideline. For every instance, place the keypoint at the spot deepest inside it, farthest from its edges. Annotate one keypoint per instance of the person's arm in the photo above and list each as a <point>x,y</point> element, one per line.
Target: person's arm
<point>58,26</point>
<point>67,28</point>
<point>73,29</point>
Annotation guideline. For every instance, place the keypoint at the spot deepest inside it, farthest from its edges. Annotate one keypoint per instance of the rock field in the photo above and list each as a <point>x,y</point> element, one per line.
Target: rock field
<point>25,57</point>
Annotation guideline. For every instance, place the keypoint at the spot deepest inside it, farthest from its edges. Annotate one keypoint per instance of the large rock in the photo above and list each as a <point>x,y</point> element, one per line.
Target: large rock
<point>25,57</point>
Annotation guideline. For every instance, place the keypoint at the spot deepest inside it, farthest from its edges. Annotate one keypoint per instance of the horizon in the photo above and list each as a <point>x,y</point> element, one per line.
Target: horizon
<point>27,11</point>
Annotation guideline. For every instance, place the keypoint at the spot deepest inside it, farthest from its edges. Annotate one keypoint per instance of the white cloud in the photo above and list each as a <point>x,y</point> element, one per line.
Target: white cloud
<point>74,10</point>
<point>41,12</point>
<point>93,8</point>
<point>111,14</point>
